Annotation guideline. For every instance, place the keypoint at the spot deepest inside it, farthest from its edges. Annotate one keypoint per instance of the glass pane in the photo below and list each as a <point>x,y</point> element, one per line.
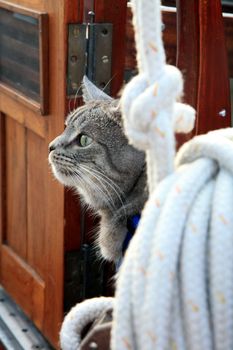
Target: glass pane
<point>19,53</point>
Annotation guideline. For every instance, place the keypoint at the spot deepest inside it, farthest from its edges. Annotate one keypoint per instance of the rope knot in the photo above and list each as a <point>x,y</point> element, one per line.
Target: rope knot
<point>149,107</point>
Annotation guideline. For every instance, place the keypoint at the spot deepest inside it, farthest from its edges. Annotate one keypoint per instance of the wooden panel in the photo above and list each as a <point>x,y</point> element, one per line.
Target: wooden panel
<point>74,11</point>
<point>16,220</point>
<point>214,89</point>
<point>36,170</point>
<point>35,4</point>
<point>54,201</point>
<point>24,285</point>
<point>188,50</point>
<point>2,181</point>
<point>22,114</point>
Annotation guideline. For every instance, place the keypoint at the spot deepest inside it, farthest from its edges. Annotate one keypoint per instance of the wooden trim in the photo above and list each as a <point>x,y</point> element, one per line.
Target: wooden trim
<point>44,63</point>
<point>22,114</point>
<point>2,180</point>
<point>41,107</point>
<point>187,58</point>
<point>20,9</point>
<point>213,85</point>
<point>31,288</point>
<point>20,97</point>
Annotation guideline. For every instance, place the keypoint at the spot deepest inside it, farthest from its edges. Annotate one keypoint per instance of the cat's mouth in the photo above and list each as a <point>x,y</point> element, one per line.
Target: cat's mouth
<point>62,169</point>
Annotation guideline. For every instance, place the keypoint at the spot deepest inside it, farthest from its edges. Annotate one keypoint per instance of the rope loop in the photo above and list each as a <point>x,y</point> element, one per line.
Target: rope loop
<point>142,104</point>
<point>79,317</point>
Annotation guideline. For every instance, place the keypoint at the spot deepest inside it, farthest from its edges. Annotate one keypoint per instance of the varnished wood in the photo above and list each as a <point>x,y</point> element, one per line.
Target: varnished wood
<point>44,63</point>
<point>36,210</point>
<point>54,200</point>
<point>74,11</point>
<point>25,286</point>
<point>2,180</point>
<point>16,181</point>
<point>187,49</point>
<point>27,101</point>
<point>19,112</point>
<point>44,216</point>
<point>213,89</point>
<point>13,6</point>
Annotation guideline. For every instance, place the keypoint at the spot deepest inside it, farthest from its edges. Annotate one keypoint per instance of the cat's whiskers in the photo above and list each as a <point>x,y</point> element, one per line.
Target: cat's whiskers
<point>102,177</point>
<point>102,191</point>
<point>107,178</point>
<point>74,176</point>
<point>98,189</point>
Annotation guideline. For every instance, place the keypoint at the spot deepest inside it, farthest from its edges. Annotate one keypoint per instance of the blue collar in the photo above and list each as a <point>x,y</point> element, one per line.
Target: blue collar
<point>132,224</point>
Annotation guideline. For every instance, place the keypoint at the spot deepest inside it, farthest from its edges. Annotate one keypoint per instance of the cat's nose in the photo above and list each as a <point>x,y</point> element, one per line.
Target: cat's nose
<point>51,147</point>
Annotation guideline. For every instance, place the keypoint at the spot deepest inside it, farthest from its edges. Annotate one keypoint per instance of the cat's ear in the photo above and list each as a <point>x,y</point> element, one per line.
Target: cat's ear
<point>91,92</point>
<point>115,112</point>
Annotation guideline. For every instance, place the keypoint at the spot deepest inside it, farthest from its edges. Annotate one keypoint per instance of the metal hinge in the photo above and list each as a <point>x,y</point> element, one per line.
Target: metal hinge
<point>90,53</point>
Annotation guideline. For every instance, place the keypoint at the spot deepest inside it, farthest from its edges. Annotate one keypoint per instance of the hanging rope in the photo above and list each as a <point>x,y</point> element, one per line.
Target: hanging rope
<point>175,286</point>
<point>151,113</point>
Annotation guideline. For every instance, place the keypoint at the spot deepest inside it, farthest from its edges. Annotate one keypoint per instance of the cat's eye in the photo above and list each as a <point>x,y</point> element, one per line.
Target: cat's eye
<point>84,140</point>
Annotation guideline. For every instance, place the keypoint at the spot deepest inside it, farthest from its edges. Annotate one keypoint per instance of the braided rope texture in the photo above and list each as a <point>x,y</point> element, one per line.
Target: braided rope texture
<point>175,287</point>
<point>79,317</point>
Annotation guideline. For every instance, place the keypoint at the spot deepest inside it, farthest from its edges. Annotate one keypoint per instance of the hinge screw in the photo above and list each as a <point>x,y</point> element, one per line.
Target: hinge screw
<point>93,346</point>
<point>105,59</point>
<point>73,58</point>
<point>91,14</point>
<point>222,113</point>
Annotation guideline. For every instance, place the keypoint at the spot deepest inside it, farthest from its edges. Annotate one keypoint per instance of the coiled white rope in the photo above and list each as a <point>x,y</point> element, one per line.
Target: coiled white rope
<point>79,317</point>
<point>175,286</point>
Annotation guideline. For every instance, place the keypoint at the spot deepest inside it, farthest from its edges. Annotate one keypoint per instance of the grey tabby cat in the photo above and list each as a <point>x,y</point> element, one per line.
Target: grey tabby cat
<point>93,156</point>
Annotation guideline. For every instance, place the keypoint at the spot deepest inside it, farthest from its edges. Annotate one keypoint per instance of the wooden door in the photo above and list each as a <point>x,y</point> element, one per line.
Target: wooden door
<point>32,203</point>
<point>39,220</point>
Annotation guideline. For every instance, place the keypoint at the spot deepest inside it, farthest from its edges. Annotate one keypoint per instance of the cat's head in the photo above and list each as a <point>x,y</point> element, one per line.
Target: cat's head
<point>93,155</point>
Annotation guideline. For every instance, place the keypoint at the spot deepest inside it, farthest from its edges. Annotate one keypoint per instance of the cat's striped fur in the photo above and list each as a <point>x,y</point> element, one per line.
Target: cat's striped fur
<point>93,156</point>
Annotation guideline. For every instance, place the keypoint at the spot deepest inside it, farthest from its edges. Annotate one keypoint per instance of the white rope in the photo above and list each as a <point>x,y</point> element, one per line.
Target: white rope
<point>79,317</point>
<point>151,113</point>
<point>175,287</point>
